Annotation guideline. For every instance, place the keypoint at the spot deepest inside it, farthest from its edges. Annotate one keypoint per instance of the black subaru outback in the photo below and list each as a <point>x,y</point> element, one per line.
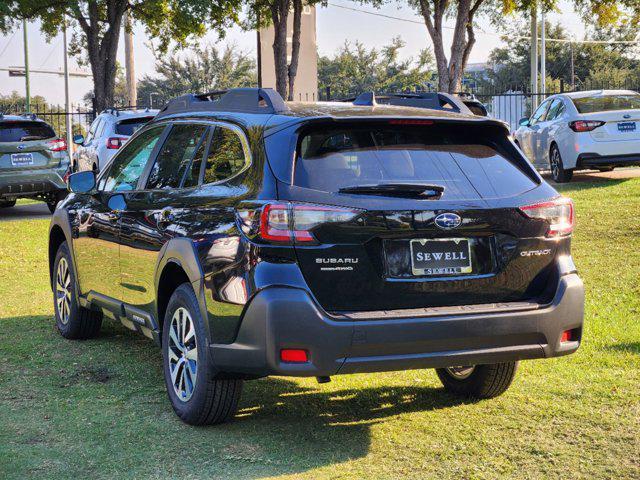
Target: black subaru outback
<point>250,237</point>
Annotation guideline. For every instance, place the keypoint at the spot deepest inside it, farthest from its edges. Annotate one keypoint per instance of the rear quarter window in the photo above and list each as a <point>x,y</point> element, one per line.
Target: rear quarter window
<point>468,161</point>
<point>24,131</point>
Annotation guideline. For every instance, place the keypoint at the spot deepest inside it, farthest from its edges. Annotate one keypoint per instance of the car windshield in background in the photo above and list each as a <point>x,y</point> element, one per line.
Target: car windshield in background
<point>24,131</point>
<point>129,127</point>
<point>462,159</point>
<point>605,103</point>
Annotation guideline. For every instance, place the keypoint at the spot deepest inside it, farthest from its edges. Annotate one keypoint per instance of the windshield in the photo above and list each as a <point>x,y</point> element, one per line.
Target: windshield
<point>131,126</point>
<point>23,131</point>
<point>605,103</point>
<point>462,159</point>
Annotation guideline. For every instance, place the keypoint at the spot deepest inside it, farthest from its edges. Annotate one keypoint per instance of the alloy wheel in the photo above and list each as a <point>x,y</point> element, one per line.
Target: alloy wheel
<point>183,354</point>
<point>460,373</point>
<point>555,163</point>
<point>63,290</point>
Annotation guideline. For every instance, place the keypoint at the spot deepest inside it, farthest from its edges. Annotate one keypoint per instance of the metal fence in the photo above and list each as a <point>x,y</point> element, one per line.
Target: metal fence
<point>56,116</point>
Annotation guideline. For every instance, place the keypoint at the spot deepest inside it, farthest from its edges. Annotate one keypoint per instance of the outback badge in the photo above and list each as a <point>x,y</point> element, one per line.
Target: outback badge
<point>447,221</point>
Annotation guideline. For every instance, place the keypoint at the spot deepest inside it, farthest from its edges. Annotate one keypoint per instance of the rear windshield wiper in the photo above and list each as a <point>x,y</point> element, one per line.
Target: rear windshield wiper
<point>407,190</point>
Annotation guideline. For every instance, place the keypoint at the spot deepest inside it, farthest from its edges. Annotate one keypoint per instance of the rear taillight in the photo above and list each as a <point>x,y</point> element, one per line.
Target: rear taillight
<point>558,212</point>
<point>585,125</point>
<point>288,222</point>
<point>57,145</point>
<point>114,143</point>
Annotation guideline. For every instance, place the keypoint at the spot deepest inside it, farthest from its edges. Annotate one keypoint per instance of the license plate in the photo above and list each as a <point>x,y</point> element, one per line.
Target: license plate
<point>21,159</point>
<point>627,126</point>
<point>442,256</point>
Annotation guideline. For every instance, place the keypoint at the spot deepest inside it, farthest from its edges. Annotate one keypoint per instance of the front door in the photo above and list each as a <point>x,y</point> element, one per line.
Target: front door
<point>97,250</point>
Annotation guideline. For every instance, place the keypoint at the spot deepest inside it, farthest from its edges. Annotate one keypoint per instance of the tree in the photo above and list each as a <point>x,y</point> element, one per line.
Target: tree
<point>354,69</point>
<point>466,13</point>
<point>263,13</point>
<point>96,26</point>
<point>203,70</point>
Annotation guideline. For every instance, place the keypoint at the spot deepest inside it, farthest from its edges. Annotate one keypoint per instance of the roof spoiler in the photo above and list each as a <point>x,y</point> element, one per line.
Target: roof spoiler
<point>243,100</point>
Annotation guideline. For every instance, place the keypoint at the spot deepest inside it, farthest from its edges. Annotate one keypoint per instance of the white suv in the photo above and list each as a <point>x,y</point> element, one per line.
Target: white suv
<point>582,130</point>
<point>108,132</point>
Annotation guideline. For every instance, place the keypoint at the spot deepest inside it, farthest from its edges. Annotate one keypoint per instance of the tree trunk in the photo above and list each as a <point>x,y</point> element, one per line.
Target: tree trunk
<point>102,51</point>
<point>451,71</point>
<point>279,16</point>
<point>295,45</point>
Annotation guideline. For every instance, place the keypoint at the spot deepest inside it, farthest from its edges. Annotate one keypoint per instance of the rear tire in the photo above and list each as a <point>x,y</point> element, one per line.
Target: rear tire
<point>481,381</point>
<point>558,172</point>
<point>197,394</point>
<point>7,203</point>
<point>605,169</point>
<point>73,321</point>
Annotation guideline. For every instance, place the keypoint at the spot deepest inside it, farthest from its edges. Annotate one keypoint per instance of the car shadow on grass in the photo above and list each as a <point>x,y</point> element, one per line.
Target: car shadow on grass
<point>282,426</point>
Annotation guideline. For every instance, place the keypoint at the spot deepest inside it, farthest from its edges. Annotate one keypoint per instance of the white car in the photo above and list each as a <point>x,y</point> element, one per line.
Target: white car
<point>582,130</point>
<point>108,132</point>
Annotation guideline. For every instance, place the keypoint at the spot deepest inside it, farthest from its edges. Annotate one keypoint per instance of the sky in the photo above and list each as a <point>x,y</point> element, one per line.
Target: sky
<point>334,26</point>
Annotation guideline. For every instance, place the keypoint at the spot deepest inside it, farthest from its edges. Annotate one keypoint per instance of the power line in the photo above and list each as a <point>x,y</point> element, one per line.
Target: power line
<point>417,22</point>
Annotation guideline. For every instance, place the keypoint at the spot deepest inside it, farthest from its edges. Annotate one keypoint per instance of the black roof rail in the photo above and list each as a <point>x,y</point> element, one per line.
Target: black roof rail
<point>244,100</point>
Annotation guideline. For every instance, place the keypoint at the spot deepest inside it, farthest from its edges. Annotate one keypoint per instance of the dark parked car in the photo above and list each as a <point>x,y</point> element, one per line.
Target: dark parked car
<point>249,237</point>
<point>33,161</point>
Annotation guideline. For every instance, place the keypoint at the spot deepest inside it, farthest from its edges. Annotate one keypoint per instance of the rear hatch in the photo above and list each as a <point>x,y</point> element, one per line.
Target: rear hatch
<point>619,115</point>
<point>27,145</point>
<point>427,216</point>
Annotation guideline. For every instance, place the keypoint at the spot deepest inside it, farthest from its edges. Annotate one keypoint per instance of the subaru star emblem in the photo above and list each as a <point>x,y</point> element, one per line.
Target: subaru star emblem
<point>21,147</point>
<point>626,115</point>
<point>447,221</point>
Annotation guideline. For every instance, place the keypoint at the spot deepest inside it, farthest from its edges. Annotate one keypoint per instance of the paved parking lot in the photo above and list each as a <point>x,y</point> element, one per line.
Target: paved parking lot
<point>25,212</point>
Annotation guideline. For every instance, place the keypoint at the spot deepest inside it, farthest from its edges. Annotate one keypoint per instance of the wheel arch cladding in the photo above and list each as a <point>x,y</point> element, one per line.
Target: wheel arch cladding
<point>56,238</point>
<point>178,264</point>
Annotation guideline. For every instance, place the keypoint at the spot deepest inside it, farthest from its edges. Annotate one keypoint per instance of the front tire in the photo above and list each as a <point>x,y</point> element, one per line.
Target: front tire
<point>479,381</point>
<point>73,321</point>
<point>558,172</point>
<point>7,203</point>
<point>197,394</point>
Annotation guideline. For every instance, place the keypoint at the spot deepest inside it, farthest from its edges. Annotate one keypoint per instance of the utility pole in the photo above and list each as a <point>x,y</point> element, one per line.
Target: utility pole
<point>573,71</point>
<point>543,55</point>
<point>534,55</point>
<point>26,67</point>
<point>132,92</point>
<point>67,100</point>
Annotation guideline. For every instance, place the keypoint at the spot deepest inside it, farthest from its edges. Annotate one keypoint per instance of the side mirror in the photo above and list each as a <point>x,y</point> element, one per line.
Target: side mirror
<point>78,139</point>
<point>82,182</point>
<point>524,122</point>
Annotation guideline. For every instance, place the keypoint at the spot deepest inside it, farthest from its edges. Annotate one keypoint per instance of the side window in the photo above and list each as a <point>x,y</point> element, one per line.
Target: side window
<point>226,156</point>
<point>556,109</point>
<point>540,114</point>
<point>92,130</point>
<point>174,159</point>
<point>128,165</point>
<point>192,175</point>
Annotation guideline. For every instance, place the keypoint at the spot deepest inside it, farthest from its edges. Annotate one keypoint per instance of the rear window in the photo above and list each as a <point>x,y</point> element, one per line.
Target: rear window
<point>24,131</point>
<point>605,103</point>
<point>129,127</point>
<point>461,158</point>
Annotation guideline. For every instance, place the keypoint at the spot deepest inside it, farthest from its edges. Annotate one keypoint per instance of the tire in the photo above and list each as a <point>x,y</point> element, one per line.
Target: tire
<point>558,172</point>
<point>210,399</point>
<point>73,321</point>
<point>482,381</point>
<point>7,203</point>
<point>605,169</point>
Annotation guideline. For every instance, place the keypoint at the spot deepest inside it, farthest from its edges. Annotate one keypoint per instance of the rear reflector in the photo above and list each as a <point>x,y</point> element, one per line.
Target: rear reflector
<point>585,125</point>
<point>559,213</point>
<point>57,145</point>
<point>566,336</point>
<point>292,355</point>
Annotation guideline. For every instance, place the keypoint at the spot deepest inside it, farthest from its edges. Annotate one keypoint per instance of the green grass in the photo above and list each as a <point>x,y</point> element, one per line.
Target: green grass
<point>98,409</point>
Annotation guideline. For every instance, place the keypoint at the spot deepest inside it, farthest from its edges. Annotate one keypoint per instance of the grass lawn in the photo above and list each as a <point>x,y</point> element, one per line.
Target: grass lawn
<point>98,409</point>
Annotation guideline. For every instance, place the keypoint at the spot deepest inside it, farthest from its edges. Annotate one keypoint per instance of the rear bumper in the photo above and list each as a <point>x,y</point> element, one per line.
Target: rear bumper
<point>281,317</point>
<point>589,160</point>
<point>26,183</point>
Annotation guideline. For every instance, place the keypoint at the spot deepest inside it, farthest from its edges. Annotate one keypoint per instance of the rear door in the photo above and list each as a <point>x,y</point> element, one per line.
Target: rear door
<point>455,243</point>
<point>27,145</point>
